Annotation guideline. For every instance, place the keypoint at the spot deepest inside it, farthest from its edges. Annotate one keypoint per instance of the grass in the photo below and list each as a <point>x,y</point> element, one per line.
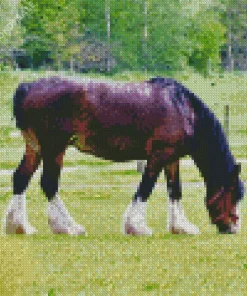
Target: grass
<point>97,193</point>
<point>109,263</point>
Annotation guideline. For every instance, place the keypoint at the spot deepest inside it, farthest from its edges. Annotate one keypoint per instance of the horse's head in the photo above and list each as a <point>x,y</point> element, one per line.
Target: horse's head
<point>223,204</point>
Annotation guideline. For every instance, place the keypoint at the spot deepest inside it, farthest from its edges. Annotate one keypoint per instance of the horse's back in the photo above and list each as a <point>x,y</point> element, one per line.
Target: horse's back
<point>114,120</point>
<point>110,103</point>
<point>127,104</point>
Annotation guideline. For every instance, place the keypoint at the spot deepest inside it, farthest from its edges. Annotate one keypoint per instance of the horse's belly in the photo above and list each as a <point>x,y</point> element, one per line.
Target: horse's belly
<point>116,148</point>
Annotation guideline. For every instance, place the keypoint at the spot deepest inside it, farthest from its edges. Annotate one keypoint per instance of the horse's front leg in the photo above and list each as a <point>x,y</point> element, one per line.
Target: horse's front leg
<point>59,218</point>
<point>135,216</point>
<point>177,221</point>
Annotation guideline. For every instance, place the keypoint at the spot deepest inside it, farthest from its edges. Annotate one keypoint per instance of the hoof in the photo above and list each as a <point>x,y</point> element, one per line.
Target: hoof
<point>12,228</point>
<point>69,231</point>
<point>134,221</point>
<point>15,225</point>
<point>175,230</point>
<point>177,221</point>
<point>77,230</point>
<point>73,229</point>
<point>132,230</point>
<point>60,220</point>
<point>185,230</point>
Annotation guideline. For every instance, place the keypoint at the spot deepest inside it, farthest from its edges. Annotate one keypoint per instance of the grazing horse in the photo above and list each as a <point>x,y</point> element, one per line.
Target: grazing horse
<point>157,120</point>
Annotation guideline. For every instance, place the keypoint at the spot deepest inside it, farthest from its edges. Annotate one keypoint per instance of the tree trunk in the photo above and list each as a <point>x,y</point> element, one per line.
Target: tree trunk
<point>59,62</point>
<point>229,55</point>
<point>145,33</point>
<point>209,67</point>
<point>229,58</point>
<point>108,30</point>
<point>72,64</point>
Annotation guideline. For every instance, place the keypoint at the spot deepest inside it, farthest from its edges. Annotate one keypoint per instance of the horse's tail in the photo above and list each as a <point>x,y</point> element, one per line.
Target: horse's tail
<point>18,100</point>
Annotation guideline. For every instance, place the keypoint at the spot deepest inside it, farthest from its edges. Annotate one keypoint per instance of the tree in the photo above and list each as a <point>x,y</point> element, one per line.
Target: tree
<point>207,36</point>
<point>108,30</point>
<point>167,27</point>
<point>233,15</point>
<point>139,34</point>
<point>147,34</point>
<point>54,25</point>
<point>10,28</point>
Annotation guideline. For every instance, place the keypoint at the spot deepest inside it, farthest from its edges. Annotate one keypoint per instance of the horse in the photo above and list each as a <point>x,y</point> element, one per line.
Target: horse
<point>158,120</point>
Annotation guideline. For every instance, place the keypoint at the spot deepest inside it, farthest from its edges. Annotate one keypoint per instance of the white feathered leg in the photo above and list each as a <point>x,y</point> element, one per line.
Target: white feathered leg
<point>134,220</point>
<point>60,220</point>
<point>177,222</point>
<point>15,218</point>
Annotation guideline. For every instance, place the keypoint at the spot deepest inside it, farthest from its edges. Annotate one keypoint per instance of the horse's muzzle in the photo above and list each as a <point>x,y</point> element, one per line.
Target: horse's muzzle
<point>233,225</point>
<point>228,228</point>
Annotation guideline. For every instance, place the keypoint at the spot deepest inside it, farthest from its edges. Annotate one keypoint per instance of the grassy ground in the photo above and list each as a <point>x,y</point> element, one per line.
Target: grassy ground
<point>97,193</point>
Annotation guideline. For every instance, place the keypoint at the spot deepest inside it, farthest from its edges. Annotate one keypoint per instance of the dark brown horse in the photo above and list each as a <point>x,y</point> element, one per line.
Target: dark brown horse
<point>157,120</point>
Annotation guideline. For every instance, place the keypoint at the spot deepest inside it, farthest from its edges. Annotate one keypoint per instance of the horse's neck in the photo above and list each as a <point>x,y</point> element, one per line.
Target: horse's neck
<point>211,154</point>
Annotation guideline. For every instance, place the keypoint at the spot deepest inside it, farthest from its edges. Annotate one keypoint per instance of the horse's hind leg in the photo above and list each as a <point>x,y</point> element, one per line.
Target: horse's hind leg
<point>59,218</point>
<point>15,219</point>
<point>177,221</point>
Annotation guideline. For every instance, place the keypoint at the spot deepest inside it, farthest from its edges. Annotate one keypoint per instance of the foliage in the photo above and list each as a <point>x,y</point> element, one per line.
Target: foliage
<point>167,40</point>
<point>149,34</point>
<point>207,35</point>
<point>53,28</point>
<point>233,15</point>
<point>10,30</point>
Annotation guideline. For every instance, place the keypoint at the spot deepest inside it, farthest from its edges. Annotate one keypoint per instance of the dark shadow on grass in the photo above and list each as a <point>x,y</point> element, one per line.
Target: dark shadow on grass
<point>121,173</point>
<point>88,163</point>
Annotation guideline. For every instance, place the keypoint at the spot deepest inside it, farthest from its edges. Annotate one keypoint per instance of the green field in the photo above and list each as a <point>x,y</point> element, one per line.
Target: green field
<point>96,192</point>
